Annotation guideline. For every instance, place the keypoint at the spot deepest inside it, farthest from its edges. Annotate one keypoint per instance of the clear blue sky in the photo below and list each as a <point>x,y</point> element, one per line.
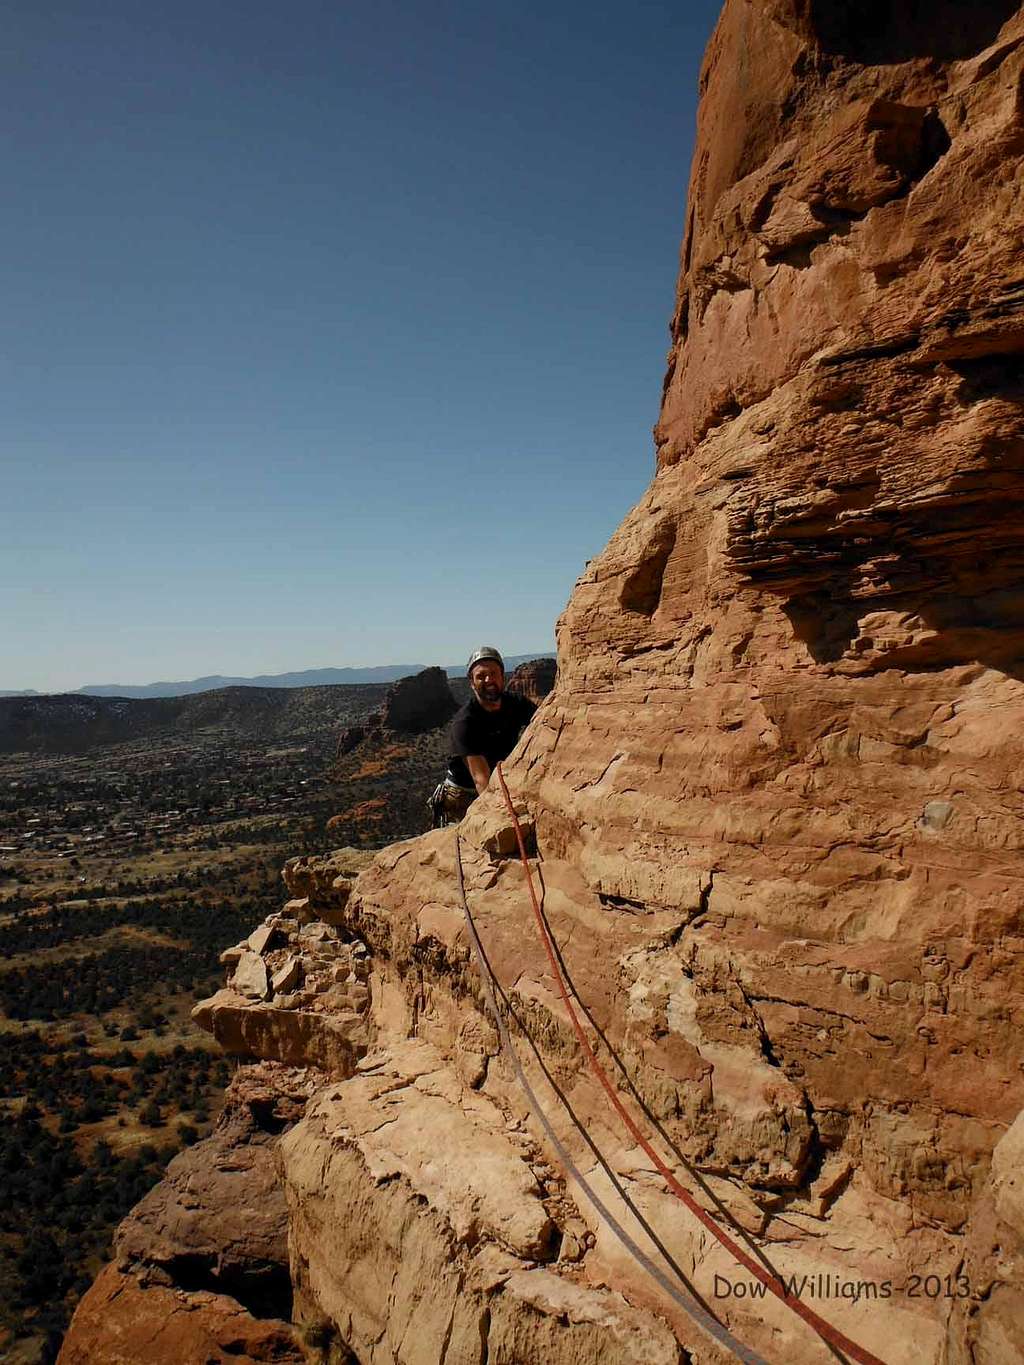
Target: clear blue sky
<point>332,333</point>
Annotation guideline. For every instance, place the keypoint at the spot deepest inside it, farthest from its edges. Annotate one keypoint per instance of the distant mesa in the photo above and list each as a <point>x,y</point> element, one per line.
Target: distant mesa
<point>533,679</point>
<point>422,702</point>
<point>411,706</point>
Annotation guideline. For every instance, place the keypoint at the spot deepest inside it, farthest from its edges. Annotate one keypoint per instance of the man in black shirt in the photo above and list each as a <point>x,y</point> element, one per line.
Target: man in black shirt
<point>483,732</point>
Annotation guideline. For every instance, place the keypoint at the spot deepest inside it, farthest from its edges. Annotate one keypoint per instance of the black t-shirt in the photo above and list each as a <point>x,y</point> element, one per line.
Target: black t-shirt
<point>492,734</point>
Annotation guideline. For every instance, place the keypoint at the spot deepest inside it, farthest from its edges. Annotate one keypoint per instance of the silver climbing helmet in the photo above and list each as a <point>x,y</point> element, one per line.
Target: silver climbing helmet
<point>484,652</point>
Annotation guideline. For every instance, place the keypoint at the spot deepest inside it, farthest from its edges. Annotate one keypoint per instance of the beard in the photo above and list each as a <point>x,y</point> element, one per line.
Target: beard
<point>489,692</point>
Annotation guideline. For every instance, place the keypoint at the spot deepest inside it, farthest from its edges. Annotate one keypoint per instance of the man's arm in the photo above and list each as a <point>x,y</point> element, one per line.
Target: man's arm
<point>479,771</point>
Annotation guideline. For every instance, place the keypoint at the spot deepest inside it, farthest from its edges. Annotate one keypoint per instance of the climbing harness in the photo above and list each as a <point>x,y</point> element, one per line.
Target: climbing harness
<point>831,1335</point>
<point>448,803</point>
<point>688,1300</point>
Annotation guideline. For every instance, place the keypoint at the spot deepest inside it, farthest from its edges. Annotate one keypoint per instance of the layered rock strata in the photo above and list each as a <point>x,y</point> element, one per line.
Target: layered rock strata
<point>775,796</point>
<point>790,702</point>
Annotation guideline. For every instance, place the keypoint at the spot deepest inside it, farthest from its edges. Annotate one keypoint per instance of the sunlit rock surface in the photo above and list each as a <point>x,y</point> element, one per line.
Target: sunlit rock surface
<point>776,793</point>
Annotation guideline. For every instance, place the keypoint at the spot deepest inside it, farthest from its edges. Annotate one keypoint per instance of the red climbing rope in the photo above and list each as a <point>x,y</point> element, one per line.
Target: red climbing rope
<point>824,1329</point>
<point>686,1296</point>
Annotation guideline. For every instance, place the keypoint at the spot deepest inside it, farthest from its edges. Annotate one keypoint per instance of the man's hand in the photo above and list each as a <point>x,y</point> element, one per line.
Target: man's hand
<point>479,771</point>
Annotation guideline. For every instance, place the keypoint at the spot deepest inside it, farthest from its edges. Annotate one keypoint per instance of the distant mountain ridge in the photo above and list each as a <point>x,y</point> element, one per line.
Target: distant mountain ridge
<point>71,723</point>
<point>311,677</point>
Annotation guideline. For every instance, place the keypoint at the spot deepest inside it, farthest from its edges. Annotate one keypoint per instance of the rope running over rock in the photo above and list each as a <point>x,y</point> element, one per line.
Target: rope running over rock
<point>687,1301</point>
<point>825,1330</point>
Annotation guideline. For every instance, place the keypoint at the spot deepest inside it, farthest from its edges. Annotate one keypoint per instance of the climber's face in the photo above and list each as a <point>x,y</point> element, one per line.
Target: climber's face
<point>487,681</point>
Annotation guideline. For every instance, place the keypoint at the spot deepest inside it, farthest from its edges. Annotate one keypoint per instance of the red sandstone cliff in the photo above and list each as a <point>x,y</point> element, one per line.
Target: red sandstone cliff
<point>777,790</point>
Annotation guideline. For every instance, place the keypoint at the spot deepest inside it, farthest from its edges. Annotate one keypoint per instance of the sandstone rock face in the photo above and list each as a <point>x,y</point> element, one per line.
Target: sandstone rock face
<point>783,757</point>
<point>418,1222</point>
<point>250,977</point>
<point>320,886</point>
<point>790,705</point>
<point>779,1170</point>
<point>218,1219</point>
<point>308,983</point>
<point>119,1322</point>
<point>989,1324</point>
<point>774,800</point>
<point>201,1264</point>
<point>796,671</point>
